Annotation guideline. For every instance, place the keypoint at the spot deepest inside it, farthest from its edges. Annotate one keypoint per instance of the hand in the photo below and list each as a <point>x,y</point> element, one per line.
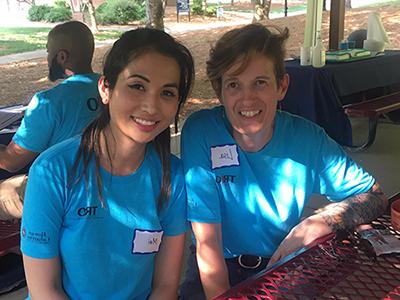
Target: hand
<point>301,235</point>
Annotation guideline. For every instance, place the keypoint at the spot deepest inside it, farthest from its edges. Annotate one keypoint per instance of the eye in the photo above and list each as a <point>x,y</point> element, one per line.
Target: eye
<point>136,86</point>
<point>232,85</point>
<point>261,82</point>
<point>169,93</point>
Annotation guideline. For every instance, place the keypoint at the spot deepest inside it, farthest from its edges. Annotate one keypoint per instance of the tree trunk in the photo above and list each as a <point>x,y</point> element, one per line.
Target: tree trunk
<point>347,4</point>
<point>155,14</point>
<point>92,15</point>
<point>204,5</point>
<point>261,10</point>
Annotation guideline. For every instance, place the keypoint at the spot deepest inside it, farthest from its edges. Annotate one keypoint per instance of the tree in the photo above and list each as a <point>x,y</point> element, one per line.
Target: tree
<point>155,13</point>
<point>30,2</point>
<point>92,15</point>
<point>347,3</point>
<point>261,9</point>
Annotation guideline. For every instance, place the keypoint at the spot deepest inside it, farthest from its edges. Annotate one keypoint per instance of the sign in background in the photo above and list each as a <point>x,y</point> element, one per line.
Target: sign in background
<point>182,6</point>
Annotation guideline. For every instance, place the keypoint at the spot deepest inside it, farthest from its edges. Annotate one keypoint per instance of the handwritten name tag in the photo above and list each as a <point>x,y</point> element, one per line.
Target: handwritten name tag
<point>146,241</point>
<point>224,156</point>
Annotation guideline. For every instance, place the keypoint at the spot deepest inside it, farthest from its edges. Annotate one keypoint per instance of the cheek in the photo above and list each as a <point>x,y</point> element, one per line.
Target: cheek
<point>230,94</point>
<point>169,109</point>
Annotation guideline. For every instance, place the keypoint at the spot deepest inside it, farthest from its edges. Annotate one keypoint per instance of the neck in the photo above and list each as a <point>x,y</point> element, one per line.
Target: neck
<point>253,142</point>
<point>78,70</point>
<point>120,158</point>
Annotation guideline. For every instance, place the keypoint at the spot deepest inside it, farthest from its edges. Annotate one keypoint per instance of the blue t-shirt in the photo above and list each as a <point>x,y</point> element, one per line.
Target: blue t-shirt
<point>258,197</point>
<point>105,253</point>
<point>59,113</point>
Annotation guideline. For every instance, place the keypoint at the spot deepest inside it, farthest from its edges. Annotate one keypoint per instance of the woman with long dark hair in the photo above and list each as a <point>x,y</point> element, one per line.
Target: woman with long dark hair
<point>105,212</point>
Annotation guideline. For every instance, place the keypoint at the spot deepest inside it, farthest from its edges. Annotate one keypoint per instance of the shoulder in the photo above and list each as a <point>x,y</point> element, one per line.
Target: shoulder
<point>68,83</point>
<point>298,125</point>
<point>205,124</point>
<point>90,78</point>
<point>155,162</point>
<point>204,117</point>
<point>62,153</point>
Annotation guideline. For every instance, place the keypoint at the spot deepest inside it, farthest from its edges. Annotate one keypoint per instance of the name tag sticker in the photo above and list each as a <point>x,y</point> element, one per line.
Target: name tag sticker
<point>224,156</point>
<point>146,241</point>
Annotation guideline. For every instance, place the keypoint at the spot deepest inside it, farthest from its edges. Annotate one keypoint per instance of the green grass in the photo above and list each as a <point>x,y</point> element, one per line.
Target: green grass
<point>17,40</point>
<point>21,39</point>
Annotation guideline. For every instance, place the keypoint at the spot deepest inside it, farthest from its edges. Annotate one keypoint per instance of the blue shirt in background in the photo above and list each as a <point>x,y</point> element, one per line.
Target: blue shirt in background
<point>59,113</point>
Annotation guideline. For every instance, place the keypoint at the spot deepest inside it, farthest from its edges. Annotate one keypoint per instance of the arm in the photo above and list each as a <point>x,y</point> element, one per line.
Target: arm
<point>43,278</point>
<point>168,268</point>
<point>13,157</point>
<point>210,259</point>
<point>347,214</point>
<point>356,210</point>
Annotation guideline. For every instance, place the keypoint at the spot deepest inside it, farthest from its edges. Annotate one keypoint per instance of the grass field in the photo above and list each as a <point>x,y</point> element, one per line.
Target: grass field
<point>23,39</point>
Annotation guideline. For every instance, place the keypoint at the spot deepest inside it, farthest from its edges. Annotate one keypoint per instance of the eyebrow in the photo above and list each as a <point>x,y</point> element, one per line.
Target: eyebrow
<point>234,77</point>
<point>173,85</point>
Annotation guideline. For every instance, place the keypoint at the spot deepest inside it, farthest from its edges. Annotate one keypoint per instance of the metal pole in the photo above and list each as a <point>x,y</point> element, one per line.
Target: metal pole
<point>286,8</point>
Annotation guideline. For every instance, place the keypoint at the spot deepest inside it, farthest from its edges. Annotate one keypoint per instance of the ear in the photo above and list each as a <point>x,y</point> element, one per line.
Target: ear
<point>62,57</point>
<point>284,85</point>
<point>104,90</point>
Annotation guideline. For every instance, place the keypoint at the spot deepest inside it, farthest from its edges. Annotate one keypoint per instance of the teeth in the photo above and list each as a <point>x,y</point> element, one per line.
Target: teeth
<point>251,113</point>
<point>144,122</point>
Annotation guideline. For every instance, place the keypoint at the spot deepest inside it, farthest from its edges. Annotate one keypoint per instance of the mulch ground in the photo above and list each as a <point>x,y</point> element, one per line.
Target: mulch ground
<point>21,80</point>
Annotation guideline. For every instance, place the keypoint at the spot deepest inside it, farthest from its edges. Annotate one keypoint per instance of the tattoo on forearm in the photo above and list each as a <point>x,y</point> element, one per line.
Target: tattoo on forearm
<point>362,208</point>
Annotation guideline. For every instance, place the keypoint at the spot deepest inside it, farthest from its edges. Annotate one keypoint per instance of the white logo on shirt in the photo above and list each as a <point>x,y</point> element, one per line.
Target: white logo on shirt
<point>224,156</point>
<point>146,241</point>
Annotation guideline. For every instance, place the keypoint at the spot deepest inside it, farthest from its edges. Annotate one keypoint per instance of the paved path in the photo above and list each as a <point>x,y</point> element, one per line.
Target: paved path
<point>232,18</point>
<point>37,54</point>
<point>173,27</point>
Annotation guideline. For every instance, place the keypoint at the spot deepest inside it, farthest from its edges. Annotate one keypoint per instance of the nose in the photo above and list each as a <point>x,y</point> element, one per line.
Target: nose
<point>151,104</point>
<point>249,94</point>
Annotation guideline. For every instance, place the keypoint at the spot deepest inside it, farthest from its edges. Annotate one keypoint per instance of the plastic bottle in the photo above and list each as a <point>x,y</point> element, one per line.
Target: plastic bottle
<point>318,53</point>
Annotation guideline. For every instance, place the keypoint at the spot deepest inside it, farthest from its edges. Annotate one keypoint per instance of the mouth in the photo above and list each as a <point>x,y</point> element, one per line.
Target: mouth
<point>143,124</point>
<point>249,113</point>
<point>143,121</point>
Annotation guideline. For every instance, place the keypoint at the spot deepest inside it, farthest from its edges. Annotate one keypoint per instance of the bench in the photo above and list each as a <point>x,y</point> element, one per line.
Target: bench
<point>372,109</point>
<point>9,236</point>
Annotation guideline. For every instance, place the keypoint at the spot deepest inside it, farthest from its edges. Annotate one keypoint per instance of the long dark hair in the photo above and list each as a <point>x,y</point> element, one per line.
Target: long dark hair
<point>127,48</point>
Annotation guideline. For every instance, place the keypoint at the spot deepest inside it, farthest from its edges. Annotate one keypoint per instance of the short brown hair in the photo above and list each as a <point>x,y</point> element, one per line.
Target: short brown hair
<point>245,42</point>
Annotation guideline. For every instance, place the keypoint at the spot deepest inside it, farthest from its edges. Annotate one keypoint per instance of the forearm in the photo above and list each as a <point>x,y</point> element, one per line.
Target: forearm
<point>360,209</point>
<point>13,157</point>
<point>50,294</point>
<point>2,155</point>
<point>164,292</point>
<point>213,271</point>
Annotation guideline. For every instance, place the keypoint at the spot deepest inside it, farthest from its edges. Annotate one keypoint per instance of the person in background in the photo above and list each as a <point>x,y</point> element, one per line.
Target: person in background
<point>105,213</point>
<point>250,169</point>
<point>52,115</point>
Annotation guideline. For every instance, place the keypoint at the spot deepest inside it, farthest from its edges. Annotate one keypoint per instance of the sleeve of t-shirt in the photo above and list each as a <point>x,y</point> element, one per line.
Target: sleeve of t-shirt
<point>339,176</point>
<point>173,218</point>
<point>202,193</point>
<point>37,126</point>
<point>42,214</point>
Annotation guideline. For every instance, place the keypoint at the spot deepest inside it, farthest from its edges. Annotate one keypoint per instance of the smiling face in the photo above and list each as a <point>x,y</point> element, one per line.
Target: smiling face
<point>250,99</point>
<point>144,101</point>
